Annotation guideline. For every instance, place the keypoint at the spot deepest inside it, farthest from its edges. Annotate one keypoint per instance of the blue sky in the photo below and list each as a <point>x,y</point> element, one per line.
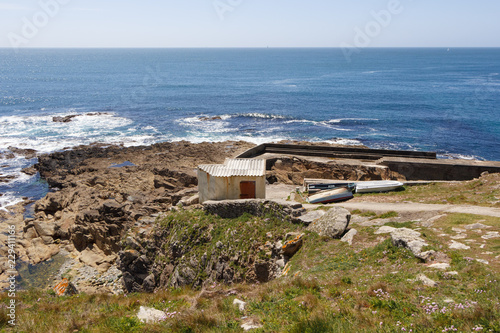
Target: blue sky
<point>249,23</point>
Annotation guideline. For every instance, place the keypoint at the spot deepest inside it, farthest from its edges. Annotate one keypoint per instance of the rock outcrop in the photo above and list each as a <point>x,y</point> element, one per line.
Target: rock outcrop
<point>96,198</point>
<point>293,170</point>
<point>198,249</point>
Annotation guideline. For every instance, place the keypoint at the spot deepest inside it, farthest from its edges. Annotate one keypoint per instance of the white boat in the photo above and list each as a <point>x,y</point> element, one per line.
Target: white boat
<point>377,186</point>
<point>337,194</point>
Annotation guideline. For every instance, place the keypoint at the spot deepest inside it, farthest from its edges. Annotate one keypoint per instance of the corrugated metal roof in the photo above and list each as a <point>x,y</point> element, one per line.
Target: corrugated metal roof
<point>236,167</point>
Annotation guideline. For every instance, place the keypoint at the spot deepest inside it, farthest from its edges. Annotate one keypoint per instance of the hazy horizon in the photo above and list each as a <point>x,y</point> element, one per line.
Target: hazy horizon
<point>245,24</point>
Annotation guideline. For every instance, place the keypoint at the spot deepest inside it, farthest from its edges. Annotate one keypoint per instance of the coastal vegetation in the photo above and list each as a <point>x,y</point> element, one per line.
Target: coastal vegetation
<point>371,286</point>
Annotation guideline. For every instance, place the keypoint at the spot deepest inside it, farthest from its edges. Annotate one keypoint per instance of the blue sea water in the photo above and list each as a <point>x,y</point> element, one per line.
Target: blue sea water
<point>419,99</point>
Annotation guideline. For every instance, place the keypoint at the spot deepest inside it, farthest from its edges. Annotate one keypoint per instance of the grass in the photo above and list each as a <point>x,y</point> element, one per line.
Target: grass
<point>373,215</point>
<point>479,192</point>
<point>194,234</point>
<point>367,287</point>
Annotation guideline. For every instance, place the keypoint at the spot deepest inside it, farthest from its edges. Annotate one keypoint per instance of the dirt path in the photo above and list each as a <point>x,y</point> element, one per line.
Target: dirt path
<point>281,191</point>
<point>419,207</point>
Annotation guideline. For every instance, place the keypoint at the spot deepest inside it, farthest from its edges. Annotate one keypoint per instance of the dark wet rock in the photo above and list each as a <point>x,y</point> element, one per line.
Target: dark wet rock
<point>6,179</point>
<point>65,119</point>
<point>27,153</point>
<point>210,118</point>
<point>30,171</point>
<point>97,113</point>
<point>7,155</point>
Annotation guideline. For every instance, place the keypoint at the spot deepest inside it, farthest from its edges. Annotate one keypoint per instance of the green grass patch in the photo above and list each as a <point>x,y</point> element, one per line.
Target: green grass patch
<point>387,215</point>
<point>407,224</point>
<point>373,215</point>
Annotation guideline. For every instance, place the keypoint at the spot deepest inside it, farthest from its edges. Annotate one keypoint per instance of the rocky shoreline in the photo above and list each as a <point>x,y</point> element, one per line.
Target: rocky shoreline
<point>103,199</point>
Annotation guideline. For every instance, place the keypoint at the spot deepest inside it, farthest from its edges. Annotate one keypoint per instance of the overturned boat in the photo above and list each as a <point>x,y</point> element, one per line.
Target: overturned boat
<point>338,194</point>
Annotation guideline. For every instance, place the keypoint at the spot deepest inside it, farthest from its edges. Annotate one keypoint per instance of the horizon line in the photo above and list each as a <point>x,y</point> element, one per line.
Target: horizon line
<point>248,47</point>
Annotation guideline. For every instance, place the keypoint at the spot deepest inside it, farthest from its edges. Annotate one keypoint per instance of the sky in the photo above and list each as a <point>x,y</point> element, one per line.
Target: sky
<point>249,23</point>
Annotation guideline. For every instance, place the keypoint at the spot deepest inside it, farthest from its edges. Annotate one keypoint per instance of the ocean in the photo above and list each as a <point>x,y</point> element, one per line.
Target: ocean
<point>435,99</point>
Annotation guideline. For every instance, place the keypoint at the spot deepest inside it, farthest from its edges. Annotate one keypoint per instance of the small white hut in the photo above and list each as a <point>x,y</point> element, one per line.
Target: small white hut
<point>235,179</point>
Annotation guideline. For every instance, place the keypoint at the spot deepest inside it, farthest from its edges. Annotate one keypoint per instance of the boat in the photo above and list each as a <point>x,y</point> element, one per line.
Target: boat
<point>337,194</point>
<point>316,187</point>
<point>377,186</point>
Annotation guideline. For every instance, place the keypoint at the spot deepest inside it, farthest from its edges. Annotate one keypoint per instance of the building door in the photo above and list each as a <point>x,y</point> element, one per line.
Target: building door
<point>247,190</point>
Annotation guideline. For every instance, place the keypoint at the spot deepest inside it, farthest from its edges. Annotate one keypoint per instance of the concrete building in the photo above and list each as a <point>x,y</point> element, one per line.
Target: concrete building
<point>235,179</point>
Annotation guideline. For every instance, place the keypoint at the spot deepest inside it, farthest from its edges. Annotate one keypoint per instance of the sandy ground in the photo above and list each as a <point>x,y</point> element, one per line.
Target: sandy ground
<point>279,191</point>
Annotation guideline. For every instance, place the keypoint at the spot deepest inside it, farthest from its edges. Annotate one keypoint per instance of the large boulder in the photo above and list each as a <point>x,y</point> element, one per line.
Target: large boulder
<point>333,224</point>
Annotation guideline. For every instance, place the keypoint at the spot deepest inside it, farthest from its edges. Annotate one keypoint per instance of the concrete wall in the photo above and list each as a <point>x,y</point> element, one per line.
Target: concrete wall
<point>332,151</point>
<point>223,188</point>
<point>418,169</point>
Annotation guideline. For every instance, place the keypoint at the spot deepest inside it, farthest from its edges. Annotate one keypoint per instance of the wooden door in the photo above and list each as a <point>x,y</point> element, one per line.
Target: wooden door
<point>247,190</point>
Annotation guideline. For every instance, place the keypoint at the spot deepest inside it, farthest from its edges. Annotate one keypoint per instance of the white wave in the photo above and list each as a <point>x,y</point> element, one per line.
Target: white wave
<point>251,139</point>
<point>451,156</point>
<point>11,167</point>
<point>339,120</point>
<point>190,120</point>
<point>342,141</point>
<point>305,121</point>
<point>260,115</point>
<point>327,124</point>
<point>271,129</point>
<point>17,176</point>
<point>198,125</point>
<point>44,135</point>
<point>8,199</point>
<point>204,118</point>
